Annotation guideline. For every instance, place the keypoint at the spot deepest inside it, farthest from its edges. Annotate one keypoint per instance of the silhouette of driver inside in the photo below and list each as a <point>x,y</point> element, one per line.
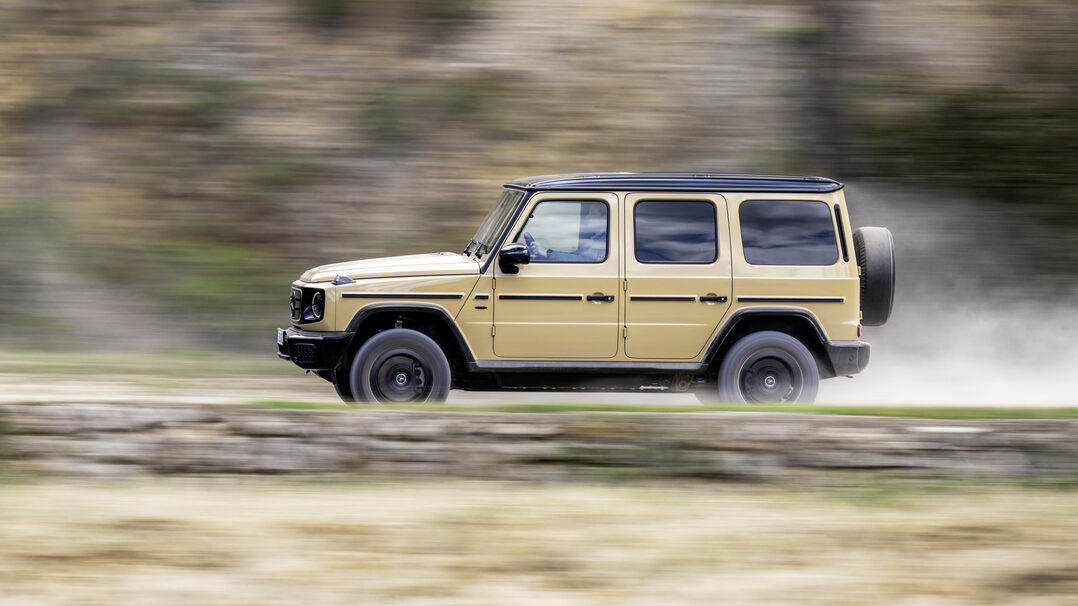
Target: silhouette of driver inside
<point>591,247</point>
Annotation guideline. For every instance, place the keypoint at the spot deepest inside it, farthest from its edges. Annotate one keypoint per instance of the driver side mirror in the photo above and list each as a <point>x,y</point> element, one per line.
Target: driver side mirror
<point>512,255</point>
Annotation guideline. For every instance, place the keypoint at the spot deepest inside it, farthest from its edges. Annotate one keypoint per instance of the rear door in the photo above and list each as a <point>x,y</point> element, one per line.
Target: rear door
<point>677,272</point>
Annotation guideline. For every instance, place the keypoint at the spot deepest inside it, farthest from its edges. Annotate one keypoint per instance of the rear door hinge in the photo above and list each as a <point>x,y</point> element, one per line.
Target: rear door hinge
<point>624,332</point>
<point>493,330</point>
<point>625,284</point>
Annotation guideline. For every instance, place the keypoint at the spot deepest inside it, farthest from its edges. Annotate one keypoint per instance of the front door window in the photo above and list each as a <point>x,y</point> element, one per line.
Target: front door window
<point>567,231</point>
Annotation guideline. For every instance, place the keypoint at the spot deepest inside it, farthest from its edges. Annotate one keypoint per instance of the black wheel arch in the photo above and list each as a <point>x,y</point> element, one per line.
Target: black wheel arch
<point>431,320</point>
<point>798,323</point>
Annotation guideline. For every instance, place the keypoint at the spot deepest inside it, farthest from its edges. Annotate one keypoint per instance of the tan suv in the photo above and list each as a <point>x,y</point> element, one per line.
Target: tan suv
<point>745,288</point>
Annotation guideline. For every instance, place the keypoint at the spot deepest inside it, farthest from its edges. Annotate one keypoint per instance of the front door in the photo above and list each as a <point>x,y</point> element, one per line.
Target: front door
<point>565,302</point>
<point>678,273</point>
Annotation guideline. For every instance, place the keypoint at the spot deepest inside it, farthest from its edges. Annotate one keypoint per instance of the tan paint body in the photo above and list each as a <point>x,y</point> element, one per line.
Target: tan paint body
<point>621,330</point>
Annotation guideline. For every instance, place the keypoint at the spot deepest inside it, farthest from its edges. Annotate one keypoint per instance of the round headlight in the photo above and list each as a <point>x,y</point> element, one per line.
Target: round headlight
<point>314,311</point>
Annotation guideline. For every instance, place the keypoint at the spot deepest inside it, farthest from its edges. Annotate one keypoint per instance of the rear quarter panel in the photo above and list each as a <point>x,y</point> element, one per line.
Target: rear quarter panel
<point>830,293</point>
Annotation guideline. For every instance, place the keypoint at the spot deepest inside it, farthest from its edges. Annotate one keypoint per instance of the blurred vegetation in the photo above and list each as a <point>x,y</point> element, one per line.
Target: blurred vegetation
<point>1012,139</point>
<point>127,94</point>
<point>995,141</point>
<point>195,156</point>
<point>443,14</point>
<point>399,114</point>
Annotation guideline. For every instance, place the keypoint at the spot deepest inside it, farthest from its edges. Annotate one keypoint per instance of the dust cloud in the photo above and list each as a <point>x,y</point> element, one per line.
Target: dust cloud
<point>980,317</point>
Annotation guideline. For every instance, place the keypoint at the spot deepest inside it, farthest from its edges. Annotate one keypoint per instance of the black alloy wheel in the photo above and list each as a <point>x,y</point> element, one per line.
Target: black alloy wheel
<point>400,378</point>
<point>768,367</point>
<point>770,380</point>
<point>400,365</point>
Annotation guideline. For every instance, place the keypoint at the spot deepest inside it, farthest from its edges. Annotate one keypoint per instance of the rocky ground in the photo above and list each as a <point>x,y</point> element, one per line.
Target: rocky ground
<point>134,440</point>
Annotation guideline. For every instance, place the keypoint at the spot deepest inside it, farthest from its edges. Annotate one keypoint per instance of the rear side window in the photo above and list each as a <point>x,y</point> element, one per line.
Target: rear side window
<point>788,232</point>
<point>675,231</point>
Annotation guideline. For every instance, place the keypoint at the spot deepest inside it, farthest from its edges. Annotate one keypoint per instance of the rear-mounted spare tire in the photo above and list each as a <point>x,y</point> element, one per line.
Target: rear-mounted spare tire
<point>876,257</point>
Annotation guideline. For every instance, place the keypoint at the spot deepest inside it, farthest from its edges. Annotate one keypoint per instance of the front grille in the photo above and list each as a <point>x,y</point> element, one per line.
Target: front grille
<point>304,353</point>
<point>295,304</point>
<point>300,304</point>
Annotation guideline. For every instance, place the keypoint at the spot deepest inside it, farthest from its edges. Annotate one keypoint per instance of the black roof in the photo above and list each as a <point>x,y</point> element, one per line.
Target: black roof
<point>677,182</point>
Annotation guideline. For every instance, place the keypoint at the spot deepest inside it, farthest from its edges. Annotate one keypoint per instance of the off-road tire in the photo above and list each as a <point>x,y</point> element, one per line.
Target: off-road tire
<point>768,367</point>
<point>342,384</point>
<point>876,257</point>
<point>400,365</point>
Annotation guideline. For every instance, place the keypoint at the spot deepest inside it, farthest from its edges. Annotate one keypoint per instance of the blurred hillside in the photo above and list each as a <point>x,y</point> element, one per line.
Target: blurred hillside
<point>168,167</point>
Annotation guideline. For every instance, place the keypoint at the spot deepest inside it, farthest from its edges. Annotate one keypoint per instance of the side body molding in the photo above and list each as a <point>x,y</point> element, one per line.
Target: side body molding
<point>591,367</point>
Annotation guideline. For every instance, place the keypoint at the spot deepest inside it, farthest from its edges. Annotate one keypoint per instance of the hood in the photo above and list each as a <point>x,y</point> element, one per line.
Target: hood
<point>430,264</point>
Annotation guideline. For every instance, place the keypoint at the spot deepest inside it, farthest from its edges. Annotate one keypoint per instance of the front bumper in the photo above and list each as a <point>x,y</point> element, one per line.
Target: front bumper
<point>848,357</point>
<point>312,350</point>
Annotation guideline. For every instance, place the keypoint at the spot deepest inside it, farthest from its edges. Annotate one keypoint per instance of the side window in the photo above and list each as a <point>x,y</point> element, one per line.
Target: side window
<point>567,231</point>
<point>675,231</point>
<point>788,232</point>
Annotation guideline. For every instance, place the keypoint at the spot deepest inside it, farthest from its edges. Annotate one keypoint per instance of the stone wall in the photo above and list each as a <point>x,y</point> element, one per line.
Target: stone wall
<point>123,440</point>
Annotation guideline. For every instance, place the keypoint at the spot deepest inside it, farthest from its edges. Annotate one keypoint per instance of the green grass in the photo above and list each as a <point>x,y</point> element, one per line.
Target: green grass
<point>919,412</point>
<point>278,404</point>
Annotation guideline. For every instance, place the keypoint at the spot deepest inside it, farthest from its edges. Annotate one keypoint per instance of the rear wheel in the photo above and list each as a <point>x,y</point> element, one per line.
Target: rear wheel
<point>768,367</point>
<point>400,365</point>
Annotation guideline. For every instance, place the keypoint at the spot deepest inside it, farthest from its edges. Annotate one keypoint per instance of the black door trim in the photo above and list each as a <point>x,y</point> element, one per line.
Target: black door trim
<point>542,297</point>
<point>689,298</point>
<point>769,299</point>
<point>402,295</point>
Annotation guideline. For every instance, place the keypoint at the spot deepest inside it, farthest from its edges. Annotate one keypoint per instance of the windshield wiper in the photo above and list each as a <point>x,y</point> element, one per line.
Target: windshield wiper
<point>481,249</point>
<point>468,249</point>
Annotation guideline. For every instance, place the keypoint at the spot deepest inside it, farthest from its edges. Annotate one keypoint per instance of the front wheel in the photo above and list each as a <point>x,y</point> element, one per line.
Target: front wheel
<point>400,365</point>
<point>766,367</point>
<point>342,384</point>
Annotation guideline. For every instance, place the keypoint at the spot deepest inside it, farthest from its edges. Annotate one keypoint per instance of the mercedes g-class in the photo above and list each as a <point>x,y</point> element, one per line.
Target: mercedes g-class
<point>744,288</point>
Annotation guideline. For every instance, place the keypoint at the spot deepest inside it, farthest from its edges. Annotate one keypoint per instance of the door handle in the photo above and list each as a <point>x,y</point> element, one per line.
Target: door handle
<point>712,299</point>
<point>601,298</point>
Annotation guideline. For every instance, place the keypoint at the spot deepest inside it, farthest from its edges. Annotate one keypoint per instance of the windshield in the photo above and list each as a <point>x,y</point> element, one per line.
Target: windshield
<point>494,224</point>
